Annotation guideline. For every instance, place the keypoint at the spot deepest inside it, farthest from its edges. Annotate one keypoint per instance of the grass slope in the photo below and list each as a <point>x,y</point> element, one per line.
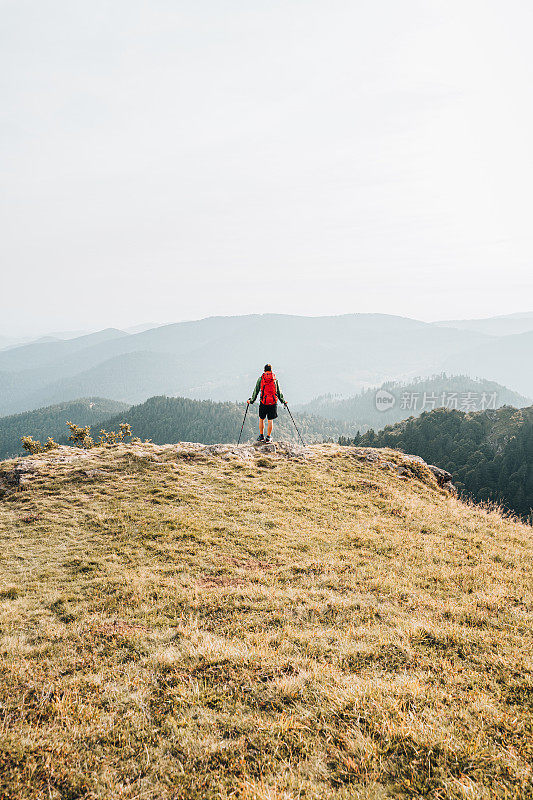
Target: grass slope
<point>184,622</point>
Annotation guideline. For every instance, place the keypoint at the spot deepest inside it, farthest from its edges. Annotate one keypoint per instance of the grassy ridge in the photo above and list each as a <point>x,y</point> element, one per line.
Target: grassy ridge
<point>176,624</point>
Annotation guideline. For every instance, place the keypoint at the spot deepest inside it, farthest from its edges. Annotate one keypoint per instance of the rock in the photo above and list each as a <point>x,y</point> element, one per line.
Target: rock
<point>444,478</point>
<point>12,479</point>
<point>354,452</point>
<point>362,454</point>
<point>292,451</point>
<point>441,475</point>
<point>228,451</point>
<point>27,466</point>
<point>218,449</point>
<point>417,459</point>
<point>269,447</point>
<point>242,452</point>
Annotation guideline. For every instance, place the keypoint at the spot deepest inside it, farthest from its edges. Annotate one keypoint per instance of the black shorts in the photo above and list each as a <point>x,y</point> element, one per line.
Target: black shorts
<point>268,411</point>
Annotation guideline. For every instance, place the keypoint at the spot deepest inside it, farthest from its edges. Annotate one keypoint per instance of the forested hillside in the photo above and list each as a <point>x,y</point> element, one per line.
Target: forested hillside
<point>489,453</point>
<point>174,419</point>
<point>51,421</point>
<point>394,401</point>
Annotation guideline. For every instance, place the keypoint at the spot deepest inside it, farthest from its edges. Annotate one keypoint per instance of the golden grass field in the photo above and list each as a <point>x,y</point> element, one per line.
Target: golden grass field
<point>176,623</point>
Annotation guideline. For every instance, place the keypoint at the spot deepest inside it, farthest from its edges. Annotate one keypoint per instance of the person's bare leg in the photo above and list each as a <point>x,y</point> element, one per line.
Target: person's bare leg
<point>270,426</point>
<point>261,426</point>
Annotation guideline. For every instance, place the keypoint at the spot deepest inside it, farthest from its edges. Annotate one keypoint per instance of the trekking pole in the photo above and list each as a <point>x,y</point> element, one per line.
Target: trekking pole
<point>295,425</point>
<point>244,420</point>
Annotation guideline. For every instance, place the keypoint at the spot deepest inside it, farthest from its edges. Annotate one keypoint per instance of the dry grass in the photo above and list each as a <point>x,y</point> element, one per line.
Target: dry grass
<point>209,628</point>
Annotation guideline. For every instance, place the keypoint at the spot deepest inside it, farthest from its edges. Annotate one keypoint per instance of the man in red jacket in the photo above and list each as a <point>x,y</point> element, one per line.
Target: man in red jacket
<point>268,385</point>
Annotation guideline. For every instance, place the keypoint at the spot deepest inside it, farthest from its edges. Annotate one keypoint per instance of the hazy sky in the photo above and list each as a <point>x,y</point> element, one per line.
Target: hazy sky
<point>168,160</point>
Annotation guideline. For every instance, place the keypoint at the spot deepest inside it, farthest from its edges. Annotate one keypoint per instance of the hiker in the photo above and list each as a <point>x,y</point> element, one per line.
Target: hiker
<point>268,385</point>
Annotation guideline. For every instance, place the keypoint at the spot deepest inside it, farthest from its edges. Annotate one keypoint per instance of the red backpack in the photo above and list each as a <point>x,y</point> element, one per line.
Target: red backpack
<point>269,395</point>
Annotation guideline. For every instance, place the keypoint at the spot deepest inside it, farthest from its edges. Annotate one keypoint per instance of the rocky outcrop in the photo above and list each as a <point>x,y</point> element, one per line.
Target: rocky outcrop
<point>444,479</point>
<point>13,479</point>
<point>17,473</point>
<point>411,465</point>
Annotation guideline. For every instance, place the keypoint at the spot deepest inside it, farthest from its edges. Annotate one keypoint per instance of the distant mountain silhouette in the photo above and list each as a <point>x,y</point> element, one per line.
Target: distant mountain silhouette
<point>220,358</point>
<point>47,351</point>
<point>505,325</point>
<point>506,360</point>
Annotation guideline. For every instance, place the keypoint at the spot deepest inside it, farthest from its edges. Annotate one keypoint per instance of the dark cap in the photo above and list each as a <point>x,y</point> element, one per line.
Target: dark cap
<point>268,368</point>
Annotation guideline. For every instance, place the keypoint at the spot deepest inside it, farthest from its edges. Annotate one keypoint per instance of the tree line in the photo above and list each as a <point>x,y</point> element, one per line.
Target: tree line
<point>174,419</point>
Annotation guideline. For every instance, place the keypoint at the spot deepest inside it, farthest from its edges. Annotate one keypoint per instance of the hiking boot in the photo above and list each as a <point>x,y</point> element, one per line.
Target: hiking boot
<point>267,438</point>
<point>260,438</point>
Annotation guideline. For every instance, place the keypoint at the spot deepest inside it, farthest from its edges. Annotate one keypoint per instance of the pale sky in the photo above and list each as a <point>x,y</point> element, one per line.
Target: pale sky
<point>168,160</point>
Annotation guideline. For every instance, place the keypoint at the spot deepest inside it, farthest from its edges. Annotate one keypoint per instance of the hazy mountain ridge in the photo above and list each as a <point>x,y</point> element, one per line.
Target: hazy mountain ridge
<point>506,360</point>
<point>403,400</point>
<point>41,354</point>
<point>220,357</point>
<point>504,325</point>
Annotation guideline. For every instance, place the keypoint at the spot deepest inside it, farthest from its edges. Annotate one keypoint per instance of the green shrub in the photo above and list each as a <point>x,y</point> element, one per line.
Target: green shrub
<point>34,446</point>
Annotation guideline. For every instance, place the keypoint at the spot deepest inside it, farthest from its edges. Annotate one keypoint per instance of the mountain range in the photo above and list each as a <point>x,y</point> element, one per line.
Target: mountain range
<point>219,358</point>
<point>171,419</point>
